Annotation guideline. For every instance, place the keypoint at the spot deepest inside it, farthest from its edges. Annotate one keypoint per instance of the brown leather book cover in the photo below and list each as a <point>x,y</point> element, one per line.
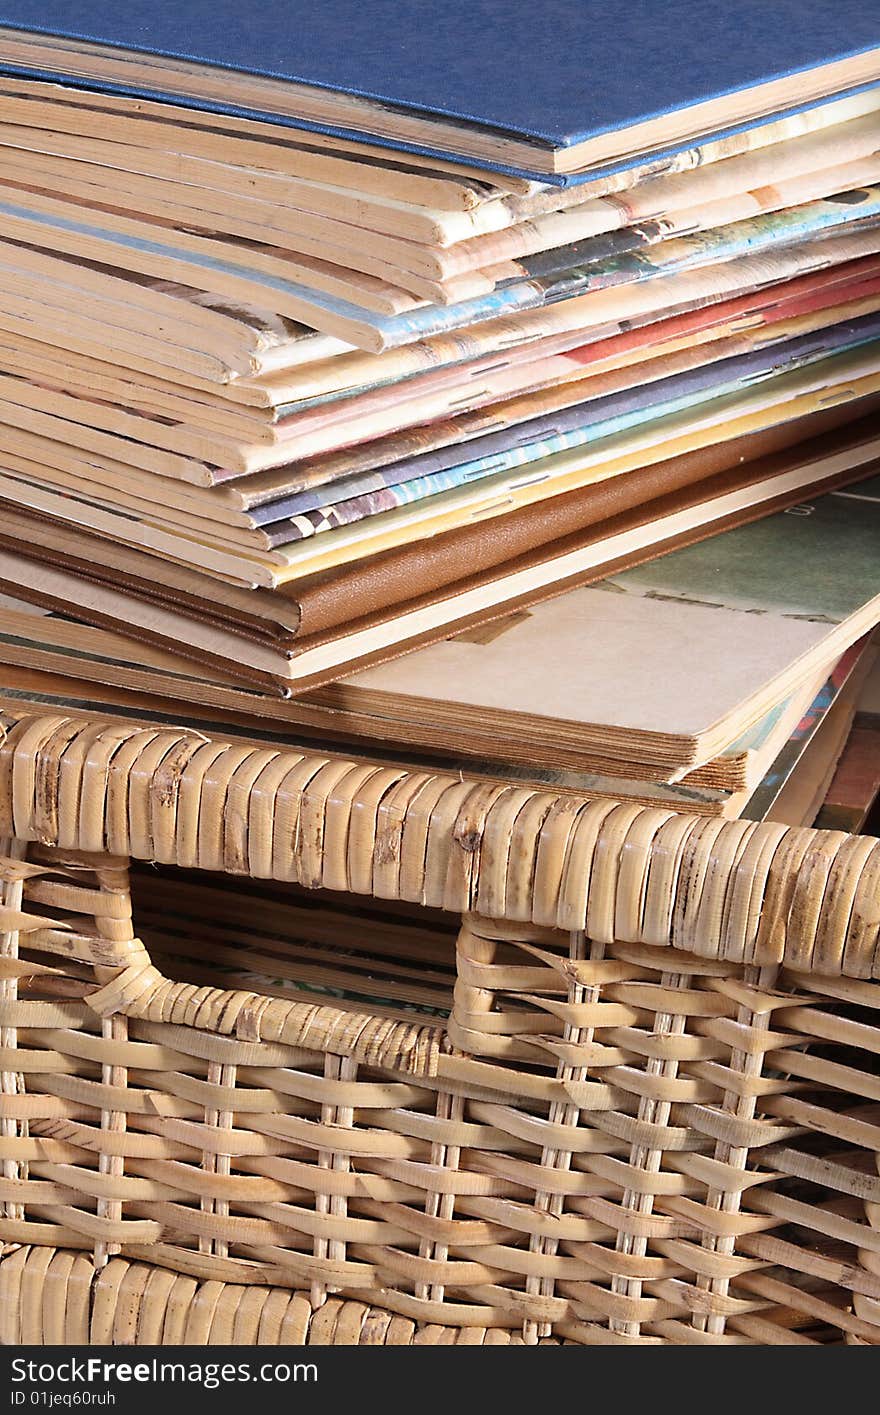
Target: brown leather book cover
<point>434,565</point>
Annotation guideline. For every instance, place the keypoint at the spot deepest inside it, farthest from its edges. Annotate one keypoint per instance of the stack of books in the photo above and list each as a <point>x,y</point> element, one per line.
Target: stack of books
<point>353,378</point>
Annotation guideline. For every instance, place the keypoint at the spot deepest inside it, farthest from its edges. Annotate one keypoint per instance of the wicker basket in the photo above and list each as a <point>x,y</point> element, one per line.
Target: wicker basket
<point>573,1071</point>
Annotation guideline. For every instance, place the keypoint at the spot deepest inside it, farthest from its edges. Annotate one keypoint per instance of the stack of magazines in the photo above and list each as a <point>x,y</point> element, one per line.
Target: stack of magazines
<point>355,373</point>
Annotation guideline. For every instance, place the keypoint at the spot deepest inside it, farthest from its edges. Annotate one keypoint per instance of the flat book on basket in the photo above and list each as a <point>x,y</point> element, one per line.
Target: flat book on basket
<point>771,753</point>
<point>701,642</point>
<point>549,90</point>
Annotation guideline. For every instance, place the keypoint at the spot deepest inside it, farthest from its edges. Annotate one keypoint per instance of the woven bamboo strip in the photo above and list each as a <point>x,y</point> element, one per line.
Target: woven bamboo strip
<point>755,894</point>
<point>70,1302</point>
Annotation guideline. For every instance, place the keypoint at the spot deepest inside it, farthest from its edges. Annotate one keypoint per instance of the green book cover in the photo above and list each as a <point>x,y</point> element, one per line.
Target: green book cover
<point>818,561</point>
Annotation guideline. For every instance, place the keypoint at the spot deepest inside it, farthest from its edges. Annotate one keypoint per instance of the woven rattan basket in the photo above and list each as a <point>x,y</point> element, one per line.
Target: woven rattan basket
<point>372,1055</point>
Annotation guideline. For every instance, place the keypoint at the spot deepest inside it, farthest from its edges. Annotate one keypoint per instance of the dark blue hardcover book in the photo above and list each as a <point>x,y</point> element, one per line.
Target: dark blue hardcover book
<point>497,80</point>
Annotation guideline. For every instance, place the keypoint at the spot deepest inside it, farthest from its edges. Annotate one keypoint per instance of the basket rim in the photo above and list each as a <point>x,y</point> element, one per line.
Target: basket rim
<point>742,891</point>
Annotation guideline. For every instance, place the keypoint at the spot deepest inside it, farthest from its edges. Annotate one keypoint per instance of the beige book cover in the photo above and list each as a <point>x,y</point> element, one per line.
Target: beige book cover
<point>659,661</point>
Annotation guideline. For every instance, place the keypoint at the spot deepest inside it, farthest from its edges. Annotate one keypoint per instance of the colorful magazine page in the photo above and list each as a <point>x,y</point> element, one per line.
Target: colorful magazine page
<point>532,441</point>
<point>531,224</point>
<point>760,804</point>
<point>559,380</point>
<point>329,385</point>
<point>567,260</point>
<point>793,395</point>
<point>148,249</point>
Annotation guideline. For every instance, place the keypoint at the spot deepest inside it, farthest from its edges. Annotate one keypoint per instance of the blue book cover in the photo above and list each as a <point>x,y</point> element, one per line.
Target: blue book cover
<point>556,75</point>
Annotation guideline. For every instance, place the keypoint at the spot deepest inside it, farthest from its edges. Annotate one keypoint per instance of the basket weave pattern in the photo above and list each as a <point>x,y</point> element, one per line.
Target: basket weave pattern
<point>643,1108</point>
